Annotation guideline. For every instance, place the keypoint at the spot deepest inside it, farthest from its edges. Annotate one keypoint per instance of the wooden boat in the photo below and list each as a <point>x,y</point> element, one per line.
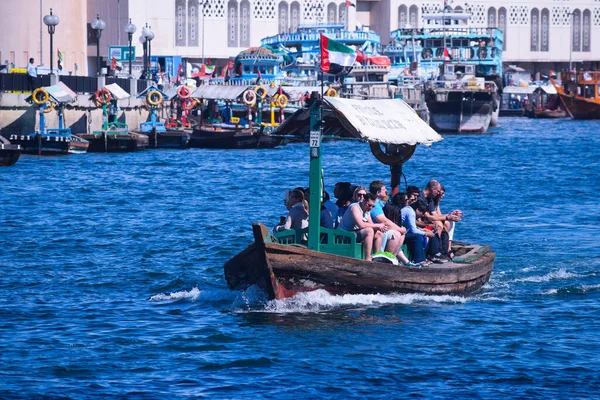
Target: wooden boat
<point>159,137</point>
<point>226,136</point>
<point>114,136</point>
<point>9,153</point>
<point>284,264</point>
<point>78,145</point>
<point>284,270</point>
<point>546,113</point>
<point>578,94</point>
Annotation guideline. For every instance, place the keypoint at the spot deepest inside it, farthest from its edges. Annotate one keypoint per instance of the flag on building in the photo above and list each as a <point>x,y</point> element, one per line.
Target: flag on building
<point>447,54</point>
<point>225,70</point>
<point>208,69</point>
<point>349,4</point>
<point>336,59</point>
<point>61,60</point>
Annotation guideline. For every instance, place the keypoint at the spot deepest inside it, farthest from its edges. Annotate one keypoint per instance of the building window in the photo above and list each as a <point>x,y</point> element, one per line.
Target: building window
<point>180,23</point>
<point>193,24</point>
<point>534,28</point>
<point>284,20</point>
<point>414,15</point>
<point>492,23</point>
<point>232,23</point>
<point>245,23</point>
<point>295,16</point>
<point>502,25</point>
<point>576,21</point>
<point>545,36</point>
<point>402,16</point>
<point>342,14</point>
<point>586,26</point>
<point>331,13</point>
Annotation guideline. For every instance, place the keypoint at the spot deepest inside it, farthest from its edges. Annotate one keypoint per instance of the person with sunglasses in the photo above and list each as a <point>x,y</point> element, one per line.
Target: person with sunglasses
<point>358,219</point>
<point>298,215</point>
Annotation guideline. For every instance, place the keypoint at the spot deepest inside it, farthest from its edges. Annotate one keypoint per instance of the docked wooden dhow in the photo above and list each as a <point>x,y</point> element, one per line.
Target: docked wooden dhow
<point>283,264</point>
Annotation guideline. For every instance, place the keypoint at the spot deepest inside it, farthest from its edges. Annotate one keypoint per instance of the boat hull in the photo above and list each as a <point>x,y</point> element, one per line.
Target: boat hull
<point>580,108</point>
<point>171,139</point>
<point>109,143</point>
<point>283,270</point>
<point>40,144</point>
<point>9,153</point>
<point>215,138</point>
<point>460,111</point>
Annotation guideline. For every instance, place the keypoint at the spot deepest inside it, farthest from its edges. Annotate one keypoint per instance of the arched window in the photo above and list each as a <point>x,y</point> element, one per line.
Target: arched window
<point>232,23</point>
<point>180,24</point>
<point>545,36</point>
<point>414,16</point>
<point>502,25</point>
<point>534,29</point>
<point>284,17</point>
<point>331,13</point>
<point>586,28</point>
<point>295,16</point>
<point>193,24</point>
<point>245,23</point>
<point>402,16</point>
<point>492,22</point>
<point>342,14</point>
<point>458,9</point>
<point>576,21</point>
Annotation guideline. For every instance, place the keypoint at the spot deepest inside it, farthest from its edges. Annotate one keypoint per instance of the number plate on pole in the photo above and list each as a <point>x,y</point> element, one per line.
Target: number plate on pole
<point>315,138</point>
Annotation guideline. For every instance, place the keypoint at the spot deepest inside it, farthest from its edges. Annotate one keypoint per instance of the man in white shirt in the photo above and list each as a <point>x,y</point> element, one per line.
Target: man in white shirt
<point>31,75</point>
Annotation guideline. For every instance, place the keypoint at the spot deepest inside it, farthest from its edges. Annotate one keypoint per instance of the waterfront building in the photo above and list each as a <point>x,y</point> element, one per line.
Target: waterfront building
<point>537,35</point>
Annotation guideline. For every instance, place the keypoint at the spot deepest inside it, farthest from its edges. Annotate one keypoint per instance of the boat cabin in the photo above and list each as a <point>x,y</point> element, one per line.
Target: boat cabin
<point>583,84</point>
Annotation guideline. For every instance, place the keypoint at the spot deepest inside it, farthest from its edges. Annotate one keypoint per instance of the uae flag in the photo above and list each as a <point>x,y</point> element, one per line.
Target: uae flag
<point>336,59</point>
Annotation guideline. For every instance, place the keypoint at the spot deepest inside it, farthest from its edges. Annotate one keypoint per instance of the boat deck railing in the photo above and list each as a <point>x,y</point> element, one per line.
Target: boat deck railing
<point>343,36</point>
<point>467,84</point>
<point>445,32</point>
<point>56,132</point>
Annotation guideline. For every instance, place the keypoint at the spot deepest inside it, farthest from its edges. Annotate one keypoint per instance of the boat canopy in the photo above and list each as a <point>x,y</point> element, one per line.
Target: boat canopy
<point>295,93</point>
<point>219,92</point>
<point>60,93</point>
<point>548,89</point>
<point>117,91</point>
<point>388,121</point>
<point>518,89</point>
<point>150,88</point>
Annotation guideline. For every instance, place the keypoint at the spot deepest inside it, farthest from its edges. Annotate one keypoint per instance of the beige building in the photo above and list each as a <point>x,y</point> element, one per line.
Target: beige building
<point>545,32</point>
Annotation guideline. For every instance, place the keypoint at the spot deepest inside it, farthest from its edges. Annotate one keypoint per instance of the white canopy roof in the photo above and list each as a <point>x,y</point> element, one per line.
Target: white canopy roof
<point>389,121</point>
<point>117,91</point>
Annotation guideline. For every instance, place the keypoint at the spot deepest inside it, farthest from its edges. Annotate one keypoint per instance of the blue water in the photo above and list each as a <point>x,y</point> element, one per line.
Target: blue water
<point>111,280</point>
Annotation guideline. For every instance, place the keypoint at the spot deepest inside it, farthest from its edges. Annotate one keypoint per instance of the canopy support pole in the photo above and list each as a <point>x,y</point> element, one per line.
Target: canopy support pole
<point>396,174</point>
<point>315,182</point>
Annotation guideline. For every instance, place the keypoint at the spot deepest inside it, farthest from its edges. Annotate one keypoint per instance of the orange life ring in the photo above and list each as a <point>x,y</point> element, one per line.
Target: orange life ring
<point>331,92</point>
<point>154,97</point>
<point>249,97</point>
<point>40,100</point>
<point>49,107</point>
<point>103,96</point>
<point>187,103</point>
<point>263,91</point>
<point>282,101</point>
<point>184,92</point>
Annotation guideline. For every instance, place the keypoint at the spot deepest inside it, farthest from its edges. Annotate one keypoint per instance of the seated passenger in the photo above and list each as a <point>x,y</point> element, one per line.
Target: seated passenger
<point>449,224</point>
<point>343,193</point>
<point>414,235</point>
<point>333,209</point>
<point>298,215</point>
<point>358,219</point>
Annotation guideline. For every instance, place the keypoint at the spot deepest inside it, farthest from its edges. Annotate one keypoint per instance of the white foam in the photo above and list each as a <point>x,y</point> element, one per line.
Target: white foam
<point>321,300</point>
<point>192,295</point>
<point>560,274</point>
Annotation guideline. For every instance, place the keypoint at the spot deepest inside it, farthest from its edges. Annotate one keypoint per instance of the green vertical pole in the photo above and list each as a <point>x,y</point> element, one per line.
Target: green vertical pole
<point>104,118</point>
<point>315,180</point>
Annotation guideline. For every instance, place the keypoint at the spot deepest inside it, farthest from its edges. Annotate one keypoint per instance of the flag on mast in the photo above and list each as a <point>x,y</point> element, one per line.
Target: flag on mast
<point>61,60</point>
<point>336,59</point>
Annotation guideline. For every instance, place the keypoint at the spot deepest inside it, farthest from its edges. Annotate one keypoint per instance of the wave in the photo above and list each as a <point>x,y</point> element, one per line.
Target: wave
<point>320,301</point>
<point>560,274</point>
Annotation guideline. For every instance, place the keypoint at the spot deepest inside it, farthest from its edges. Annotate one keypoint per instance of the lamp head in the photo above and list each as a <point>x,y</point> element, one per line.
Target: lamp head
<point>98,24</point>
<point>51,20</point>
<point>130,28</point>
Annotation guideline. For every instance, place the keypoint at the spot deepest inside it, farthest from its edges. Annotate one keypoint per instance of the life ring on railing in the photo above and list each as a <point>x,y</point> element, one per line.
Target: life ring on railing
<point>49,107</point>
<point>427,53</point>
<point>392,159</point>
<point>154,97</point>
<point>188,103</point>
<point>249,97</point>
<point>37,100</point>
<point>263,91</point>
<point>331,92</point>
<point>184,92</point>
<point>102,96</point>
<point>282,101</point>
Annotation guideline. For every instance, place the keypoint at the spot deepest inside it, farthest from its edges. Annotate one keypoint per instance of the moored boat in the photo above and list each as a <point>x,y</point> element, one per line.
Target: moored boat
<point>284,263</point>
<point>9,153</point>
<point>578,94</point>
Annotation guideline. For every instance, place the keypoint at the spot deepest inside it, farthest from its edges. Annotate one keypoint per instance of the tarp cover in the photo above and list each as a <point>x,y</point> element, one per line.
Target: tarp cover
<point>518,89</point>
<point>219,92</point>
<point>117,91</point>
<point>389,121</point>
<point>61,93</point>
<point>548,89</point>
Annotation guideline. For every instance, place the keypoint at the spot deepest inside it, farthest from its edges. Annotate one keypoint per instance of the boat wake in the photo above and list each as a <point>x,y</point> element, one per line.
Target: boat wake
<point>253,300</point>
<point>554,275</point>
<point>192,294</point>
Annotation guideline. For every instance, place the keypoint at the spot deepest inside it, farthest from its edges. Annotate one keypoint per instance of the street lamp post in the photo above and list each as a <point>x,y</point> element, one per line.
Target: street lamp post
<point>148,35</point>
<point>130,29</point>
<point>51,21</point>
<point>143,42</point>
<point>570,42</point>
<point>98,25</point>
